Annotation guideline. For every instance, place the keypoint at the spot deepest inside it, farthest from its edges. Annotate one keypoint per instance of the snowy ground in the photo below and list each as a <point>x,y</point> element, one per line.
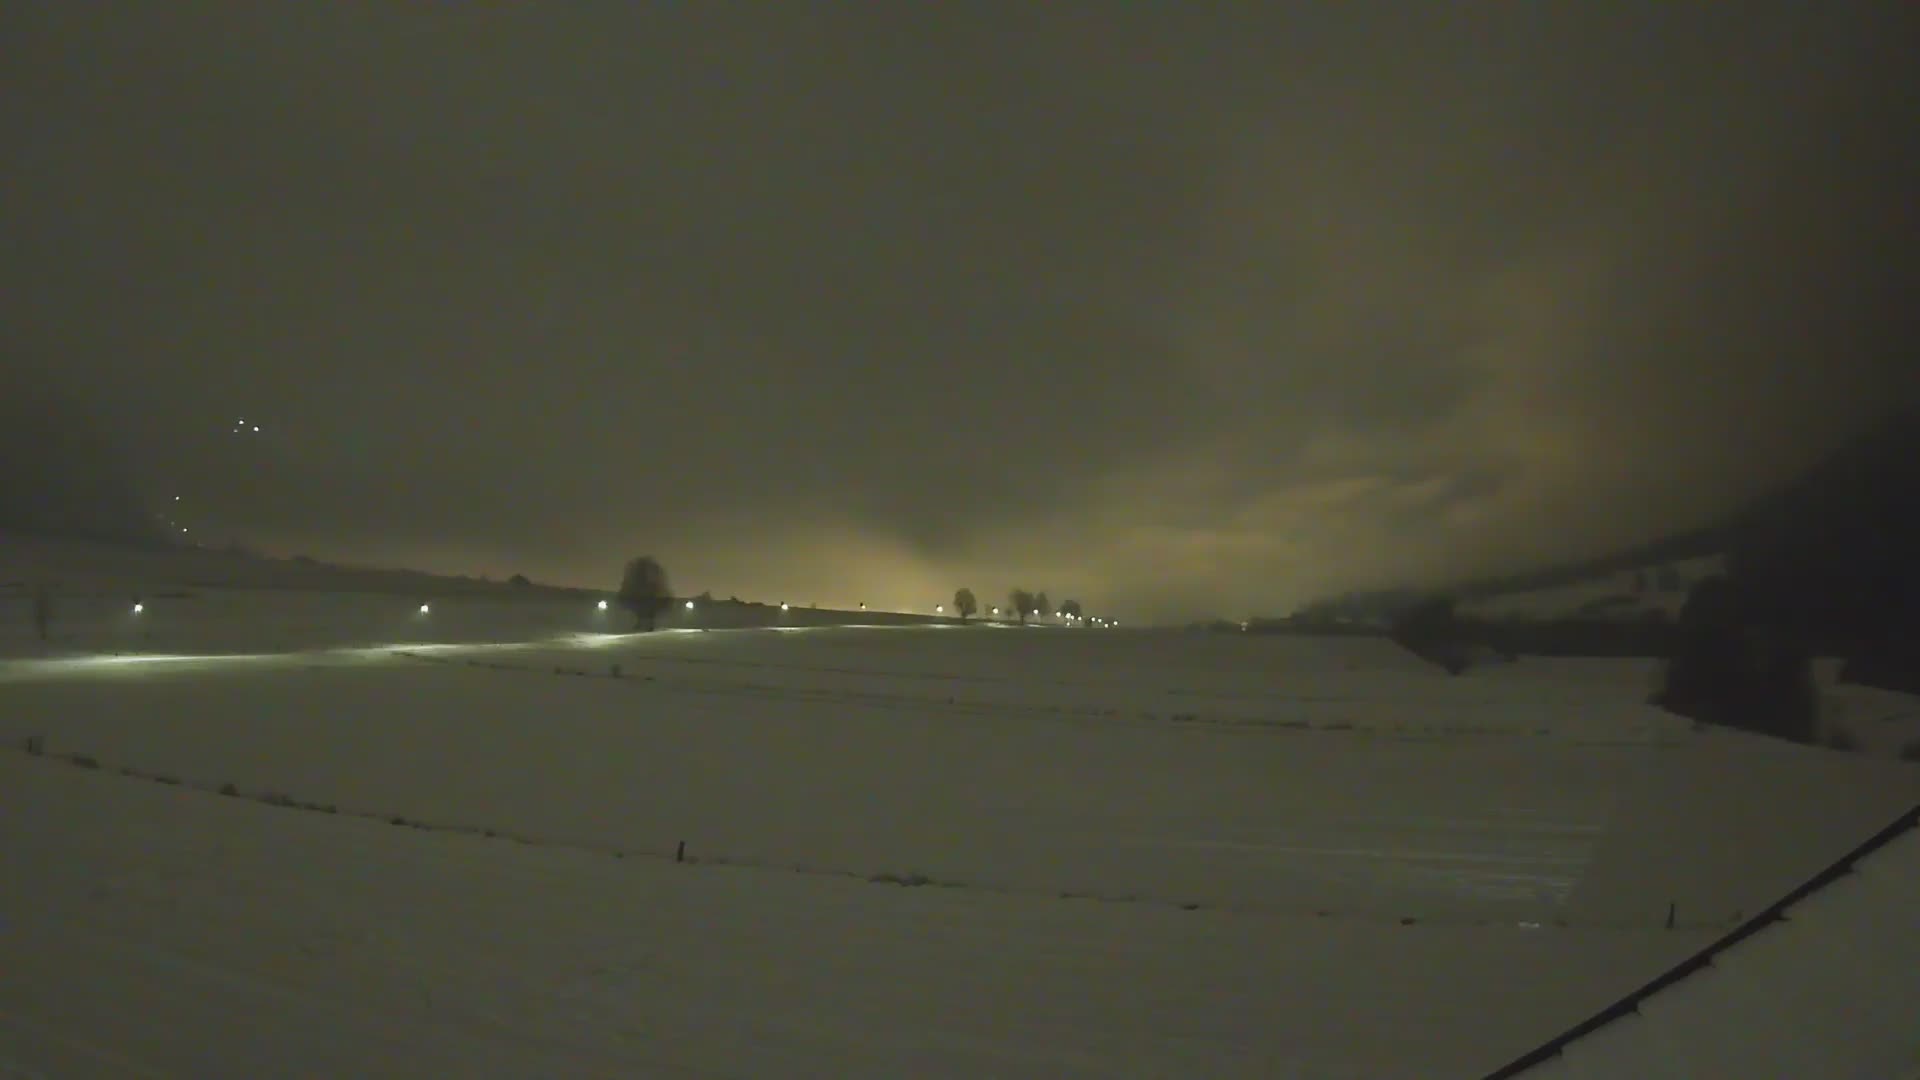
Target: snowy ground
<point>1139,854</point>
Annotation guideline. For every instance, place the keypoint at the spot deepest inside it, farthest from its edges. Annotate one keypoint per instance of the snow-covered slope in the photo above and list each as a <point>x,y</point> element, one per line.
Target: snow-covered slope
<point>1140,854</point>
<point>1827,984</point>
<point>86,568</point>
<point>156,931</point>
<point>106,598</point>
<point>1625,595</point>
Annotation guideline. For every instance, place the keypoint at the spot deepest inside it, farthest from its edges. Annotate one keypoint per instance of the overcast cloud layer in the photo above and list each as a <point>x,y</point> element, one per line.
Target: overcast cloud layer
<point>1181,311</point>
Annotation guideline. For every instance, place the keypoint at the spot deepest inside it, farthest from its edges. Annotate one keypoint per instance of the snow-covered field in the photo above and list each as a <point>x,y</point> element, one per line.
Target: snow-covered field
<point>909,851</point>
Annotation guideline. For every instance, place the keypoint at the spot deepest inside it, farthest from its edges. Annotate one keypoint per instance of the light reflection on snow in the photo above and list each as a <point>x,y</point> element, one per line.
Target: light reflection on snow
<point>156,658</point>
<point>593,641</point>
<point>461,646</point>
<point>100,663</point>
<point>104,663</point>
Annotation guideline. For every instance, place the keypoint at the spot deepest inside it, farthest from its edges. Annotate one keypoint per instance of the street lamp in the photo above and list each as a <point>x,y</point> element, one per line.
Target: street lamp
<point>424,609</point>
<point>689,605</point>
<point>602,605</point>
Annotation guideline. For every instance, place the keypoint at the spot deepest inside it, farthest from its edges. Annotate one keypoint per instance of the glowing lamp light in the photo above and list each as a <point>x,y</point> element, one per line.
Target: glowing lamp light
<point>138,608</point>
<point>602,605</point>
<point>689,605</point>
<point>425,608</point>
<point>938,608</point>
<point>783,605</point>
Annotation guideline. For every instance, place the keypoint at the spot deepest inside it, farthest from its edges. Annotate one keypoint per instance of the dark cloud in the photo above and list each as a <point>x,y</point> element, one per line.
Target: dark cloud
<point>1181,311</point>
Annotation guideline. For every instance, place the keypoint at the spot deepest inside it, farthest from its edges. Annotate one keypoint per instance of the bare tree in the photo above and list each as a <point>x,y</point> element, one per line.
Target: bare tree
<point>964,603</point>
<point>644,591</point>
<point>1040,604</point>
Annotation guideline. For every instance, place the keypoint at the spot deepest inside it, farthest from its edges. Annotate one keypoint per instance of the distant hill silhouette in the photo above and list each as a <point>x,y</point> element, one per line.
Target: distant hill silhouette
<point>61,474</point>
<point>1835,553</point>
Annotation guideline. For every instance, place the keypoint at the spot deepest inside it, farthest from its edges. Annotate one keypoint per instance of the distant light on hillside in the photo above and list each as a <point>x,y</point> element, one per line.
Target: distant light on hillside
<point>602,605</point>
<point>689,605</point>
<point>424,609</point>
<point>783,605</point>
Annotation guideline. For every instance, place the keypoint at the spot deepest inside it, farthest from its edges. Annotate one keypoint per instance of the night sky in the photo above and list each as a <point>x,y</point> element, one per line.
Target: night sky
<point>1181,311</point>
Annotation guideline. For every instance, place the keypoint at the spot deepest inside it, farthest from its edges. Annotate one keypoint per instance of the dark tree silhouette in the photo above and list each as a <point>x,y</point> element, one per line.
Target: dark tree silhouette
<point>1022,603</point>
<point>964,603</point>
<point>519,580</point>
<point>1431,630</point>
<point>1040,605</point>
<point>644,591</point>
<point>1734,669</point>
<point>1072,608</point>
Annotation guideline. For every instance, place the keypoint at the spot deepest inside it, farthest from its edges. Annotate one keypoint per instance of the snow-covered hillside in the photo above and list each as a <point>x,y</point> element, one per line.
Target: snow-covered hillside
<point>156,931</point>
<point>107,598</point>
<point>1625,595</point>
<point>85,568</point>
<point>1138,854</point>
<point>251,830</point>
